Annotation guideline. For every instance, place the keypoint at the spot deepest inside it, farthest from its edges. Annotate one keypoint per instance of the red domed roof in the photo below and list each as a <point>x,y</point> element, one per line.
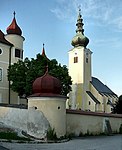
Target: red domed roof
<point>46,85</point>
<point>14,28</point>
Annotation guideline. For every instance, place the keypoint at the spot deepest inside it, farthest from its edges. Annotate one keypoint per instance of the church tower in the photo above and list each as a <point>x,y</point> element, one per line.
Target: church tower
<point>11,50</point>
<point>14,36</point>
<point>79,67</point>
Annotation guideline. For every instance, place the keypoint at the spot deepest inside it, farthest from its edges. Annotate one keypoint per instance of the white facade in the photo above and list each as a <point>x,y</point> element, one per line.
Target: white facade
<point>11,50</point>
<point>17,41</point>
<point>80,71</point>
<point>54,109</point>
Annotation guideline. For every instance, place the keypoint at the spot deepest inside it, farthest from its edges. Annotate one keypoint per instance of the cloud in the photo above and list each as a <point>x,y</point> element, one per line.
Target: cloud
<point>65,10</point>
<point>107,12</point>
<point>113,42</point>
<point>118,22</point>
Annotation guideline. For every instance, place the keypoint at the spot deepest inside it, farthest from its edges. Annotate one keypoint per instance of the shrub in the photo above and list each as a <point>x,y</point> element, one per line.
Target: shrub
<point>120,129</point>
<point>51,134</point>
<point>71,135</point>
<point>12,136</point>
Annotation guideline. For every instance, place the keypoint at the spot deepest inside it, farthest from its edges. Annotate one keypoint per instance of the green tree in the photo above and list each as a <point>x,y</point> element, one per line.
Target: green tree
<point>23,73</point>
<point>118,106</point>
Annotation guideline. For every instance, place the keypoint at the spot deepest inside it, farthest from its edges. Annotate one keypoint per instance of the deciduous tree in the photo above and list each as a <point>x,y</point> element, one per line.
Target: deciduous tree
<point>23,73</point>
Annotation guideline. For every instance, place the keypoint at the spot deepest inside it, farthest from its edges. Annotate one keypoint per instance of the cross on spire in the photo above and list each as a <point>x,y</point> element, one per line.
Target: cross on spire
<point>79,8</point>
<point>14,13</point>
<point>43,51</point>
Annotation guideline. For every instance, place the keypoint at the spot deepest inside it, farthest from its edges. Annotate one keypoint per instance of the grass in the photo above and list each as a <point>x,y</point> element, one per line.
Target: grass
<point>51,134</point>
<point>12,136</point>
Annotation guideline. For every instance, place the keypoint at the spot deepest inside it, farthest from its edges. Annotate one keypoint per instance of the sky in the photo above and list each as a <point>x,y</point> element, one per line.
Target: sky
<point>53,22</point>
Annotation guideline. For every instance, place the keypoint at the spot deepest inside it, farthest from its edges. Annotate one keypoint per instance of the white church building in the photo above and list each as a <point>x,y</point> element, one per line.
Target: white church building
<point>88,93</point>
<point>89,104</point>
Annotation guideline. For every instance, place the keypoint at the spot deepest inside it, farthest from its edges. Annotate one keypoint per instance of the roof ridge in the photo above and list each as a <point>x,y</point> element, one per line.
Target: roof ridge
<point>3,40</point>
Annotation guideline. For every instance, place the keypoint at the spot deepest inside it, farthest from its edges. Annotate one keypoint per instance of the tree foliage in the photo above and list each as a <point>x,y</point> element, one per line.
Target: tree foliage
<point>118,106</point>
<point>23,73</point>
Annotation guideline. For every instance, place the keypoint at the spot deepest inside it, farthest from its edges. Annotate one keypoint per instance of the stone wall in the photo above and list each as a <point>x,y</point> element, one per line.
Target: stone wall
<point>36,124</point>
<point>28,120</point>
<point>80,122</point>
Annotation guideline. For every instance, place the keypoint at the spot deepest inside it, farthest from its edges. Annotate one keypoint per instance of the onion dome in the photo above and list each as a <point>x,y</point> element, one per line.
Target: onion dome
<point>14,28</point>
<point>46,85</point>
<point>80,39</point>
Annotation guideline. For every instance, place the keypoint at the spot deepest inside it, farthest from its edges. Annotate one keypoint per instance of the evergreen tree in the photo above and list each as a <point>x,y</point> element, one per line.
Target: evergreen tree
<point>118,106</point>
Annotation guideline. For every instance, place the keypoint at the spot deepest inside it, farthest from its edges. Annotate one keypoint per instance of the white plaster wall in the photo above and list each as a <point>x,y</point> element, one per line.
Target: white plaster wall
<point>15,39</point>
<point>83,124</point>
<point>87,69</point>
<point>29,120</point>
<point>95,124</point>
<point>54,109</point>
<point>92,104</point>
<point>76,70</point>
<point>4,62</point>
<point>81,76</point>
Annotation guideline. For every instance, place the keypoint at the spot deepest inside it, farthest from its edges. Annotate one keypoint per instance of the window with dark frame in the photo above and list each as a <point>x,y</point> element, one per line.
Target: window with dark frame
<point>87,56</point>
<point>0,51</point>
<point>0,74</point>
<point>17,53</point>
<point>21,54</point>
<point>86,59</point>
<point>75,59</point>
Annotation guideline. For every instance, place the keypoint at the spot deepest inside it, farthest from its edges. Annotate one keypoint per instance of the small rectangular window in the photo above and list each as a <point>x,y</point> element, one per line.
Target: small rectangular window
<point>75,59</point>
<point>17,53</point>
<point>21,54</point>
<point>86,59</point>
<point>1,74</point>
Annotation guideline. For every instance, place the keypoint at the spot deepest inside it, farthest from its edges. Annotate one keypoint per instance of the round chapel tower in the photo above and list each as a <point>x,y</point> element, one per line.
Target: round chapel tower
<point>14,36</point>
<point>47,99</point>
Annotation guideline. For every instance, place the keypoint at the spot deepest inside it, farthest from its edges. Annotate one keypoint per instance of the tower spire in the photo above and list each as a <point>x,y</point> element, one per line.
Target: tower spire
<point>79,39</point>
<point>14,14</point>
<point>79,23</point>
<point>43,51</point>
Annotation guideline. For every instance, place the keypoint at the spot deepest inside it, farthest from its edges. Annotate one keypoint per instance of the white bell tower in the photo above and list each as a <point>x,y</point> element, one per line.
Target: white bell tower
<point>79,67</point>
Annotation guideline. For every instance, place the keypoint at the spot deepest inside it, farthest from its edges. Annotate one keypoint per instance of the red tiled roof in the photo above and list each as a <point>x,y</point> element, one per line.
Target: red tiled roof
<point>3,40</point>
